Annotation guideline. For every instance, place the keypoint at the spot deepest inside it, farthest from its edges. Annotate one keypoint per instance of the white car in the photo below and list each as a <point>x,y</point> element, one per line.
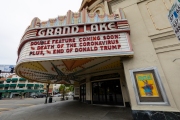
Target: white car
<point>57,95</point>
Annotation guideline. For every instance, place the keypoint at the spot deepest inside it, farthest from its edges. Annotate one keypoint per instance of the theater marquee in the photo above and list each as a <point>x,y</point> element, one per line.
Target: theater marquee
<point>80,41</point>
<point>65,48</point>
<point>81,46</point>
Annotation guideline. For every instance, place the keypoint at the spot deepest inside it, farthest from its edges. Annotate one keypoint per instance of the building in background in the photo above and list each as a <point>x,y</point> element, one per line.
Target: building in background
<point>15,86</point>
<point>50,92</point>
<point>56,88</point>
<point>6,70</point>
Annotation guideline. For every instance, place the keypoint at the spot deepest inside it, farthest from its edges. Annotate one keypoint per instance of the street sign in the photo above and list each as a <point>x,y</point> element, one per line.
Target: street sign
<point>6,68</point>
<point>174,18</point>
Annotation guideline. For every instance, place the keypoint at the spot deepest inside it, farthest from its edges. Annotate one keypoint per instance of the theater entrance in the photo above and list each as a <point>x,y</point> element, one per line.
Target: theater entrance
<point>107,92</point>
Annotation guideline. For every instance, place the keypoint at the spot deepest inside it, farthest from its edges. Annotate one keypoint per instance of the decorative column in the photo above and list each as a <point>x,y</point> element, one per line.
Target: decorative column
<point>106,8</point>
<point>88,90</point>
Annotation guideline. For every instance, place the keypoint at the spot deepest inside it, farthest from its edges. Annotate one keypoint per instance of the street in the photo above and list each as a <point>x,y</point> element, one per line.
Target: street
<point>10,104</point>
<point>35,109</point>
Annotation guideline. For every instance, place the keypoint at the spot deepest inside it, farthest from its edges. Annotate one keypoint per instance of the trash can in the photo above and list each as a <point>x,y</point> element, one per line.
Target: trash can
<point>50,99</point>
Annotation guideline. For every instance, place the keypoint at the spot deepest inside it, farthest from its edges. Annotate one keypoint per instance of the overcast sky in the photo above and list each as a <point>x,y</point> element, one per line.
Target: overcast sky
<point>16,15</point>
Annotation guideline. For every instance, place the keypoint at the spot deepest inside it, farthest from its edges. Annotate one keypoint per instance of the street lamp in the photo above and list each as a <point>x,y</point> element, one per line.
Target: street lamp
<point>47,90</point>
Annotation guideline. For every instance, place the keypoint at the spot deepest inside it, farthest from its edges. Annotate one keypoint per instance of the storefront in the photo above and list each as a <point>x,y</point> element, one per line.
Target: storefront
<point>83,92</point>
<point>107,92</point>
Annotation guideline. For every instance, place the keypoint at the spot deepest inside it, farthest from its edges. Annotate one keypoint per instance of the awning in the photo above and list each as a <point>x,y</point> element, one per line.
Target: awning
<point>22,79</point>
<point>31,90</point>
<point>1,85</point>
<point>2,91</point>
<point>30,85</point>
<point>8,79</point>
<point>21,85</point>
<point>6,85</point>
<point>36,85</point>
<point>14,79</point>
<point>12,85</point>
<point>16,91</point>
<point>41,90</point>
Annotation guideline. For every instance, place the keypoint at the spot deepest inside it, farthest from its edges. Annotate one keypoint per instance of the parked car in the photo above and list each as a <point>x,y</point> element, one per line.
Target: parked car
<point>41,95</point>
<point>33,95</point>
<point>57,95</point>
<point>38,95</point>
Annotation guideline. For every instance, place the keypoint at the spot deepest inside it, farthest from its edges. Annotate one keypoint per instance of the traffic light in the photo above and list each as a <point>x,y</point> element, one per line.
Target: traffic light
<point>12,70</point>
<point>0,73</point>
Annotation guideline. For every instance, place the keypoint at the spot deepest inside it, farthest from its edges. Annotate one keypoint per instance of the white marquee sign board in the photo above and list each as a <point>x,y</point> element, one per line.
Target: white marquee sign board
<point>112,44</point>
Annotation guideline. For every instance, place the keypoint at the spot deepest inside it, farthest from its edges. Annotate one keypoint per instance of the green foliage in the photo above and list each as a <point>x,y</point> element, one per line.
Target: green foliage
<point>71,88</point>
<point>63,89</point>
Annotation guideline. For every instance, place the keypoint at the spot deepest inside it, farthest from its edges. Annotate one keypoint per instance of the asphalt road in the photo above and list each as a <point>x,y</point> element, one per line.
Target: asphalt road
<point>10,104</point>
<point>35,109</point>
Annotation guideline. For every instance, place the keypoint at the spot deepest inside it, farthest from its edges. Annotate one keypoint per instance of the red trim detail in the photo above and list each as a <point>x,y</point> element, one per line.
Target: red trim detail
<point>51,37</point>
<point>130,45</point>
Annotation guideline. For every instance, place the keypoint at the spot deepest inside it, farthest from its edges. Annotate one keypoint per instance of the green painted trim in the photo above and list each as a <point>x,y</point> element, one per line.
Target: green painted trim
<point>6,85</point>
<point>2,91</point>
<point>24,91</point>
<point>31,90</point>
<point>22,85</point>
<point>30,85</point>
<point>36,85</point>
<point>12,85</point>
<point>41,90</point>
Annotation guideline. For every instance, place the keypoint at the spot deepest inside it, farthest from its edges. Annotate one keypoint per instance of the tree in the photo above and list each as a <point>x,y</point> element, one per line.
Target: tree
<point>63,89</point>
<point>71,88</point>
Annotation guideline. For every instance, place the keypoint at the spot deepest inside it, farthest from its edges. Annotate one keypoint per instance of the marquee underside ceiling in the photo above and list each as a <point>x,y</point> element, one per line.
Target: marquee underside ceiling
<point>67,71</point>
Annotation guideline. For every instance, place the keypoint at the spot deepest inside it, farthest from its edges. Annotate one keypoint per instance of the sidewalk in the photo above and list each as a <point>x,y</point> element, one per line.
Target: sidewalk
<point>67,110</point>
<point>15,98</point>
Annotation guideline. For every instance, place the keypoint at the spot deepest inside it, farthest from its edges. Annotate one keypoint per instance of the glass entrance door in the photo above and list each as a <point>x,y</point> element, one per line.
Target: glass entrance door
<point>107,92</point>
<point>83,93</point>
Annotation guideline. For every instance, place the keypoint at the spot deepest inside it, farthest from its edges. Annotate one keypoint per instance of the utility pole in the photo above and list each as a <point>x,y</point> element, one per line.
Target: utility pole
<point>47,91</point>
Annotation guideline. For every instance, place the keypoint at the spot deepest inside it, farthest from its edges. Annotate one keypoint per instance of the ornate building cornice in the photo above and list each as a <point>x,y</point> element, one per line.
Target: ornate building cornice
<point>94,4</point>
<point>83,4</point>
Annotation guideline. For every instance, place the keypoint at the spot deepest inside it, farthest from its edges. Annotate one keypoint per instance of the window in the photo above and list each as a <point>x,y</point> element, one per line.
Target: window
<point>28,87</point>
<point>6,88</point>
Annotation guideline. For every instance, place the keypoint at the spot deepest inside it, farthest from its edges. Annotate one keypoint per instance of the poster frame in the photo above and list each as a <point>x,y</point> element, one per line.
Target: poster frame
<point>158,81</point>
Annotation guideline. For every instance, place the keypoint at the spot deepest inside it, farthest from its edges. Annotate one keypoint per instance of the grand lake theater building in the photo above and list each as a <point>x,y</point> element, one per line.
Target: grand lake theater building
<point>115,52</point>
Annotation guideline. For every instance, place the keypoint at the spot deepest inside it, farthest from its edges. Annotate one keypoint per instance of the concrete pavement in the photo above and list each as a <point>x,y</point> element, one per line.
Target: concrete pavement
<point>67,110</point>
<point>9,104</point>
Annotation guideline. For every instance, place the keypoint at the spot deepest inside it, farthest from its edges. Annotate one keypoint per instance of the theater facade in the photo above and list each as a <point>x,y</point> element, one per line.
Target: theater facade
<point>115,52</point>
